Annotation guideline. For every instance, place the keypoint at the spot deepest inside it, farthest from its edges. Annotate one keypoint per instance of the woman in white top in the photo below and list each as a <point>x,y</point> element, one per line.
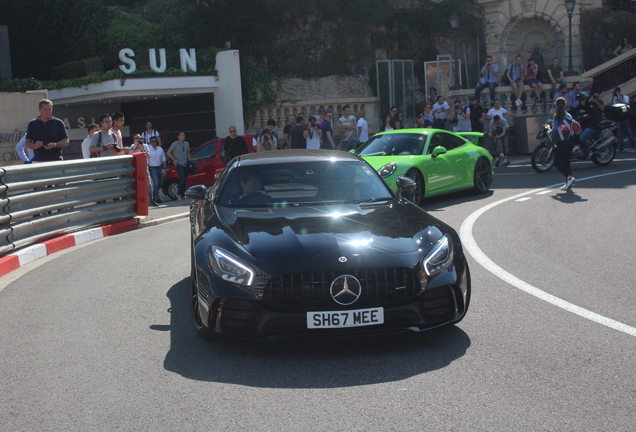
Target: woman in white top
<point>312,134</point>
<point>387,125</point>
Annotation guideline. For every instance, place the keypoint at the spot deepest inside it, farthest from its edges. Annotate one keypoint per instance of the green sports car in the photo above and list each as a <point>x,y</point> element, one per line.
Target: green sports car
<point>437,160</point>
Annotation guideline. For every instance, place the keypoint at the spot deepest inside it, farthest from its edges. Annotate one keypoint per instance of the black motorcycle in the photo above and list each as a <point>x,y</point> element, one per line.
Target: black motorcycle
<point>602,146</point>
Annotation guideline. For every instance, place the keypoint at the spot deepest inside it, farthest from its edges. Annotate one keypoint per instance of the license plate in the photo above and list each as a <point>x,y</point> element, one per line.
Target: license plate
<point>344,319</point>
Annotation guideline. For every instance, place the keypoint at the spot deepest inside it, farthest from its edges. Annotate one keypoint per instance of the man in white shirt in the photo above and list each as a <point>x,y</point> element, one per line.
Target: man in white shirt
<point>24,153</point>
<point>440,113</point>
<point>149,133</point>
<point>156,166</point>
<point>362,127</point>
<point>86,151</point>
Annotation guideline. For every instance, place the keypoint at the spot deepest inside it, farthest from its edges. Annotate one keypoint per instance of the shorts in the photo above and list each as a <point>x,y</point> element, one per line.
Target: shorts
<point>532,81</point>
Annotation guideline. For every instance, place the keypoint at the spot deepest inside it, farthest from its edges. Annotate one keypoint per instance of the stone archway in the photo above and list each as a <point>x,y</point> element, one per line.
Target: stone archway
<point>527,35</point>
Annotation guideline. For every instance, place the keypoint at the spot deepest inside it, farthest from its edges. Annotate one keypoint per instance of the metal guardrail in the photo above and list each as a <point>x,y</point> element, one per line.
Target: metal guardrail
<point>42,201</point>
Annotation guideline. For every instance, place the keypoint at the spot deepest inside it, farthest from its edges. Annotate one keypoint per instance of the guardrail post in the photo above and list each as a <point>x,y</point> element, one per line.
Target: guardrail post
<point>141,183</point>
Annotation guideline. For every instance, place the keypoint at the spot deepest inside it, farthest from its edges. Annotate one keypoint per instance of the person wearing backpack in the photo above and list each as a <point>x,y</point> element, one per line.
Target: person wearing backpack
<point>516,73</point>
<point>103,142</point>
<point>562,136</point>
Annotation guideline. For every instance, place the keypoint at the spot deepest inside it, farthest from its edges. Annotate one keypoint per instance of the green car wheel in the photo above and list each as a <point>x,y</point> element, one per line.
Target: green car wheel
<point>483,177</point>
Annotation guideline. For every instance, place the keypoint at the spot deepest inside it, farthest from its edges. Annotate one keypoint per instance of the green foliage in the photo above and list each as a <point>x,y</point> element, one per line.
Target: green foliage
<point>68,70</point>
<point>172,17</point>
<point>257,89</point>
<point>221,21</point>
<point>52,33</point>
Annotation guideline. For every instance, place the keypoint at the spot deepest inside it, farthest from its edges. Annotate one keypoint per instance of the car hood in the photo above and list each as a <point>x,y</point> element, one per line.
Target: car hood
<point>296,236</point>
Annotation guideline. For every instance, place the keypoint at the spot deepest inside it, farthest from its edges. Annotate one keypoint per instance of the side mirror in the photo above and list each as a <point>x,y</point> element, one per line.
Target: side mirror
<point>404,184</point>
<point>439,150</point>
<point>196,193</point>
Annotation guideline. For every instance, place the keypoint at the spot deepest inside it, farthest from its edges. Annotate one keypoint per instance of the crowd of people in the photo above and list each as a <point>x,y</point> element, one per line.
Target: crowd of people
<point>46,136</point>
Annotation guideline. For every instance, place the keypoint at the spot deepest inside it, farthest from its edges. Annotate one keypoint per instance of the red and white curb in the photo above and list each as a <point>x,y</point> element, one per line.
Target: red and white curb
<point>15,260</point>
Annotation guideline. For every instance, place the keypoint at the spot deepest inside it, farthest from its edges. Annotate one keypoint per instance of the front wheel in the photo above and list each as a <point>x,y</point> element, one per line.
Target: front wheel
<point>483,176</point>
<point>416,195</point>
<point>605,155</point>
<point>542,158</point>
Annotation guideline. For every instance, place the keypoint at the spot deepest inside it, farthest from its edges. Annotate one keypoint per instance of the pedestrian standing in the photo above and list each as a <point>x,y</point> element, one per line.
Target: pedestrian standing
<point>562,136</point>
<point>312,134</point>
<point>179,153</point>
<point>157,166</point>
<point>25,154</point>
<point>86,144</point>
<point>327,132</point>
<point>347,129</point>
<point>362,128</point>
<point>46,135</point>
<point>440,113</point>
<point>625,126</point>
<point>149,133</point>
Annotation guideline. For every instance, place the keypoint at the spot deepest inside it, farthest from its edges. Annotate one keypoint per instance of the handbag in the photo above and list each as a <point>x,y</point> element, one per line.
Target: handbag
<point>225,158</point>
<point>191,168</point>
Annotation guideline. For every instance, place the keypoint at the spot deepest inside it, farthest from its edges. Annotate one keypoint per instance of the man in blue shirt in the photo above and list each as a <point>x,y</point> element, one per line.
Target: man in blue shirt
<point>490,78</point>
<point>570,98</point>
<point>46,135</point>
<point>327,133</point>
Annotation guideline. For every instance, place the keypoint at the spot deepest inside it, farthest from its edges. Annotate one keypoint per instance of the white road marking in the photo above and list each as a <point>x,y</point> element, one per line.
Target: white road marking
<point>545,192</point>
<point>466,233</point>
<point>524,199</point>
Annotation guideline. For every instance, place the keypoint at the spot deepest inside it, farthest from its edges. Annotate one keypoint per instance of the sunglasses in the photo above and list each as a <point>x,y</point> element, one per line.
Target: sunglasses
<point>232,131</point>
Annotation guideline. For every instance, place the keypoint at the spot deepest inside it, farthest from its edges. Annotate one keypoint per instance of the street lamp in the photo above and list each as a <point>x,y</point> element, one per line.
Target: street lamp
<point>569,6</point>
<point>454,22</point>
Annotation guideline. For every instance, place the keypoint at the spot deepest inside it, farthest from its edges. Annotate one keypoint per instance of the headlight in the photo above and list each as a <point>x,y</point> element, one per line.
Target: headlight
<point>387,170</point>
<point>230,268</point>
<point>440,256</point>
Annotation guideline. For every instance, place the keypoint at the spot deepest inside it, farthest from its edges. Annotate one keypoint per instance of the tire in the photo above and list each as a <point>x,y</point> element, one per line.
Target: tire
<point>172,189</point>
<point>483,176</point>
<point>542,158</point>
<point>605,156</point>
<point>416,195</point>
<point>202,331</point>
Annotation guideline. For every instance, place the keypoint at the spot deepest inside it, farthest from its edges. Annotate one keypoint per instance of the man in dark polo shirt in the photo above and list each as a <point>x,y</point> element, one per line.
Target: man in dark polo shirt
<point>46,135</point>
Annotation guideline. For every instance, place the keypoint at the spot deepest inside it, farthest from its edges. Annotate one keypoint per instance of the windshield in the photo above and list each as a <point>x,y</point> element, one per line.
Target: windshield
<point>318,182</point>
<point>394,145</point>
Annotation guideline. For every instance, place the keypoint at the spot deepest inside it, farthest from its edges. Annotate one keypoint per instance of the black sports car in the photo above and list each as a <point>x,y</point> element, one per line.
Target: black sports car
<point>312,243</point>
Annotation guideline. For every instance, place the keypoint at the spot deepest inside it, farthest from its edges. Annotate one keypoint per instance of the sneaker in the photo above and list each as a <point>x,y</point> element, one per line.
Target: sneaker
<point>497,162</point>
<point>506,162</point>
<point>564,187</point>
<point>159,201</point>
<point>568,185</point>
<point>179,197</point>
<point>518,102</point>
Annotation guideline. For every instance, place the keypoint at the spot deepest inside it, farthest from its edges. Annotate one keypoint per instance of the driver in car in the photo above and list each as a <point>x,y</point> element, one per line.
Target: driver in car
<point>252,186</point>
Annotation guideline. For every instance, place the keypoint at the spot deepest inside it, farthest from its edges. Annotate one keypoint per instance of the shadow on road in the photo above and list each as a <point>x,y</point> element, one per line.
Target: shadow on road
<point>304,364</point>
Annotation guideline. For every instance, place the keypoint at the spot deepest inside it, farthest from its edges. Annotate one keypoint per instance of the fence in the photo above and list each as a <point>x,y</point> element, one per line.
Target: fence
<point>42,201</point>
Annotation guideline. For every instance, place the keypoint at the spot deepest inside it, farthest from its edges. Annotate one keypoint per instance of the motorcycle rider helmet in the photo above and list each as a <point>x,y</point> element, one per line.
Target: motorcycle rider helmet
<point>583,95</point>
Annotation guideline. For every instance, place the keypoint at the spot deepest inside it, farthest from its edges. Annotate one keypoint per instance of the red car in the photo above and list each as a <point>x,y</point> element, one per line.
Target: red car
<point>207,159</point>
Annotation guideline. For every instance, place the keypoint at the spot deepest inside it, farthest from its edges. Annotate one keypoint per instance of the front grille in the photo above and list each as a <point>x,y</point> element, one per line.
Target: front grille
<point>311,289</point>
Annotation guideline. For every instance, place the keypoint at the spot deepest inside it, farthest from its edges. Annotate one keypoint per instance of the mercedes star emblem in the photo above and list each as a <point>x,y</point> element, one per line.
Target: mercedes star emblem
<point>345,289</point>
<point>342,259</point>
